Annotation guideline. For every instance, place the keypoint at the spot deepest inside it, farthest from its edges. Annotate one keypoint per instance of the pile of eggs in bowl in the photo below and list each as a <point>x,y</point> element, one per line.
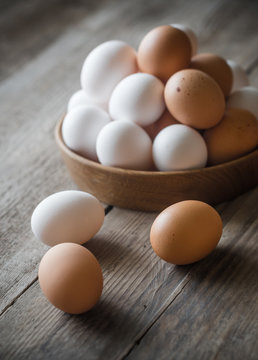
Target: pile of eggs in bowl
<point>163,107</point>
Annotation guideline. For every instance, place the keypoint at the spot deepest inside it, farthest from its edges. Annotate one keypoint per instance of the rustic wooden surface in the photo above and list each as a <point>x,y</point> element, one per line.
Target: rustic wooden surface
<point>149,309</point>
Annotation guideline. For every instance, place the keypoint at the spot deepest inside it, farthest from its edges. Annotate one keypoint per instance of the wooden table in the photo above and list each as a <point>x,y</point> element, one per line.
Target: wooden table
<point>149,309</point>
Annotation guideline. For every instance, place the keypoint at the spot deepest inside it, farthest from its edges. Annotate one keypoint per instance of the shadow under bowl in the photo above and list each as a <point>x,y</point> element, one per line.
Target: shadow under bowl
<point>156,190</point>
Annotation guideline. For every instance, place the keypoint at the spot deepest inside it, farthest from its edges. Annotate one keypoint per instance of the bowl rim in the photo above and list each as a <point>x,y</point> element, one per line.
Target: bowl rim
<point>118,170</point>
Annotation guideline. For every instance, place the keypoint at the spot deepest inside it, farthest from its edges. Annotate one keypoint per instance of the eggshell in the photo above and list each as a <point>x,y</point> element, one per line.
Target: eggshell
<point>67,216</point>
<point>186,232</point>
<point>138,98</point>
<point>191,36</point>
<point>105,66</point>
<point>234,136</point>
<point>216,67</point>
<point>80,98</point>
<point>179,147</point>
<point>194,99</point>
<point>164,51</point>
<point>240,78</point>
<point>81,127</point>
<point>165,120</point>
<point>245,98</point>
<point>71,278</point>
<point>124,144</point>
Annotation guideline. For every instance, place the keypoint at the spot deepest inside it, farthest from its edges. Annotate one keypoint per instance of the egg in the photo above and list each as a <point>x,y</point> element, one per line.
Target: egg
<point>191,36</point>
<point>240,78</point>
<point>179,147</point>
<point>80,98</point>
<point>138,98</point>
<point>216,67</point>
<point>70,278</point>
<point>234,136</point>
<point>194,99</point>
<point>126,145</point>
<point>245,98</point>
<point>67,216</point>
<point>164,51</point>
<point>80,129</point>
<point>165,120</point>
<point>186,232</point>
<point>105,66</point>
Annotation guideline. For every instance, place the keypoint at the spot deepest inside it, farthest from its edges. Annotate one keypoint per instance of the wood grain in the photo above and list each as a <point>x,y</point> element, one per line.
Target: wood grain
<point>139,291</point>
<point>215,316</point>
<point>137,287</point>
<point>41,57</point>
<point>23,41</point>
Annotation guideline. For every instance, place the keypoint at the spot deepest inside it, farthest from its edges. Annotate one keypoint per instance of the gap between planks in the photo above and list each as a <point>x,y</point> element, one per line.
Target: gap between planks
<point>180,287</point>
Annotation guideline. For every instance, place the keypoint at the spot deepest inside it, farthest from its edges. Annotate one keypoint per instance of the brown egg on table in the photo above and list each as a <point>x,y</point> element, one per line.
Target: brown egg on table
<point>164,51</point>
<point>186,232</point>
<point>194,99</point>
<point>217,68</point>
<point>71,278</point>
<point>235,136</point>
<point>165,120</point>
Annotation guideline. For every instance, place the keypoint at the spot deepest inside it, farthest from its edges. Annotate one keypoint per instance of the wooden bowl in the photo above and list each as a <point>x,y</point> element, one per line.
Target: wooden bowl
<point>155,190</point>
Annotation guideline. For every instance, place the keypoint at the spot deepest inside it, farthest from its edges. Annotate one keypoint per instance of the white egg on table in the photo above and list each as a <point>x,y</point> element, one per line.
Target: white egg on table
<point>191,36</point>
<point>124,144</point>
<point>240,78</point>
<point>80,129</point>
<point>105,66</point>
<point>245,98</point>
<point>179,147</point>
<point>138,98</point>
<point>67,216</point>
<point>80,98</point>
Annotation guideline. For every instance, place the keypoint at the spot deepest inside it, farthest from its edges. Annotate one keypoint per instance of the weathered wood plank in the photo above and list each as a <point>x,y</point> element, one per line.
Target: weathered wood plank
<point>135,295</point>
<point>208,298</point>
<point>33,99</point>
<point>137,287</point>
<point>215,316</point>
<point>27,28</point>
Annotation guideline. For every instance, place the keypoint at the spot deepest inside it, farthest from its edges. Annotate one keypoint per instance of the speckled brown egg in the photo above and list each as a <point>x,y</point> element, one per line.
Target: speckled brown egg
<point>234,136</point>
<point>165,120</point>
<point>164,51</point>
<point>71,278</point>
<point>217,68</point>
<point>194,99</point>
<point>186,232</point>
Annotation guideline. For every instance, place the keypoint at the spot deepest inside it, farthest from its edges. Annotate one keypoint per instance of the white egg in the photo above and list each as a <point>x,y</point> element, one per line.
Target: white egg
<point>240,78</point>
<point>67,216</point>
<point>244,98</point>
<point>81,127</point>
<point>179,147</point>
<point>191,36</point>
<point>138,98</point>
<point>124,144</point>
<point>80,98</point>
<point>105,66</point>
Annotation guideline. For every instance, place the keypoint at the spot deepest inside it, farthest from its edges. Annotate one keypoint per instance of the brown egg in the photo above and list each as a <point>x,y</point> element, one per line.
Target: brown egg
<point>194,99</point>
<point>71,278</point>
<point>186,232</point>
<point>217,68</point>
<point>234,136</point>
<point>165,120</point>
<point>163,51</point>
